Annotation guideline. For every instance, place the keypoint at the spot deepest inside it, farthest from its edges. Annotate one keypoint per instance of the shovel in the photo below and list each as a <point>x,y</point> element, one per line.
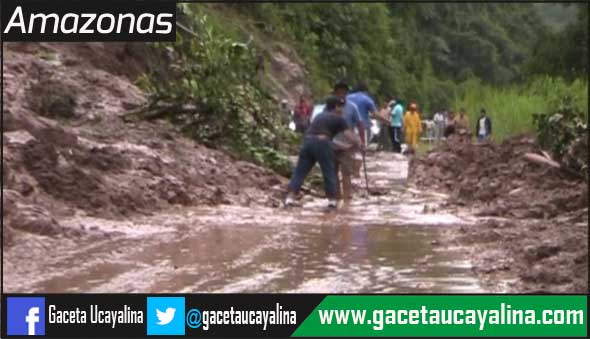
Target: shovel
<point>369,191</point>
<point>365,167</point>
<point>344,146</point>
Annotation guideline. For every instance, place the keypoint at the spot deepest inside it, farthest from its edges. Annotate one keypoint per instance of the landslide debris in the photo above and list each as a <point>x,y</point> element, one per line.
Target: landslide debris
<point>534,218</point>
<point>496,180</point>
<point>94,164</point>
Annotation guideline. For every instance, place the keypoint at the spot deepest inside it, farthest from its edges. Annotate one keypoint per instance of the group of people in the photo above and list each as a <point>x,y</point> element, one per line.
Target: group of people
<point>408,126</point>
<point>332,139</point>
<point>402,126</point>
<point>447,124</point>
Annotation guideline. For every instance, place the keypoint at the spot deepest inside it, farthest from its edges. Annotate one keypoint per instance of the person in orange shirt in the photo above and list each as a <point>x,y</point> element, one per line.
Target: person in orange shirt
<point>462,120</point>
<point>462,126</point>
<point>412,127</point>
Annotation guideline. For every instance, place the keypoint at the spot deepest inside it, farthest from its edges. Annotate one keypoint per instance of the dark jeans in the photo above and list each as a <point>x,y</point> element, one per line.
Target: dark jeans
<point>315,150</point>
<point>396,138</point>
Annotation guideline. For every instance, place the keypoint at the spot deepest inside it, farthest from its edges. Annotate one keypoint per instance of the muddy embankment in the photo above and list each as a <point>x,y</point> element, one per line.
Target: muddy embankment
<point>67,151</point>
<point>533,228</point>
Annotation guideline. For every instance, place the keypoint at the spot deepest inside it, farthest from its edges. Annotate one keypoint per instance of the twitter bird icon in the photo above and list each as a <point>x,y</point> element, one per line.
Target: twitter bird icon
<point>165,316</point>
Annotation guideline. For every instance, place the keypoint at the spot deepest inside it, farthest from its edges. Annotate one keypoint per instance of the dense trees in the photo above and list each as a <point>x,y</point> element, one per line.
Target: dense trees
<point>444,55</point>
<point>564,53</point>
<point>489,41</point>
<point>413,50</point>
<point>427,50</point>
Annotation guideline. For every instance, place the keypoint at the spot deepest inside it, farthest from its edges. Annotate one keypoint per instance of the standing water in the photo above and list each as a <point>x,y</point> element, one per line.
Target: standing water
<point>383,243</point>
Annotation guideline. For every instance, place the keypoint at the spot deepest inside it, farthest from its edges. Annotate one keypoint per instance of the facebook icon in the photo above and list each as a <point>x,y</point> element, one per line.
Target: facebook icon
<point>25,315</point>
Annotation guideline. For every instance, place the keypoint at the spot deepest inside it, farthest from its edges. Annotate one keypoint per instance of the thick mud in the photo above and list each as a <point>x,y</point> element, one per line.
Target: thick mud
<point>386,243</point>
<point>533,228</point>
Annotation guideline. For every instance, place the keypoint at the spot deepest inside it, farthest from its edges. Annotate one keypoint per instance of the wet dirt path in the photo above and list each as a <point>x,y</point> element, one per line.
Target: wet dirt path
<point>381,243</point>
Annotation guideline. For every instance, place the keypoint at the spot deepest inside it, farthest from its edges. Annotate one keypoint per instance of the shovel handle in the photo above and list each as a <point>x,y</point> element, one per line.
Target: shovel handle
<point>365,167</point>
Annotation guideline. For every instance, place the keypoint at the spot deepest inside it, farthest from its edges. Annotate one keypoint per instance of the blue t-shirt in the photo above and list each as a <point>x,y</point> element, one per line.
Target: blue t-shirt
<point>364,103</point>
<point>350,113</point>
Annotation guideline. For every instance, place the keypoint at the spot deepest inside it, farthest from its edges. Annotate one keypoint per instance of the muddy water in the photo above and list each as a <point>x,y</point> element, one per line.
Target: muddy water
<point>385,243</point>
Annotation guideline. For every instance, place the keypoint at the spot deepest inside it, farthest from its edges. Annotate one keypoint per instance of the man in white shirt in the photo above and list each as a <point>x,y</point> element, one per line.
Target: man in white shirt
<point>439,125</point>
<point>483,126</point>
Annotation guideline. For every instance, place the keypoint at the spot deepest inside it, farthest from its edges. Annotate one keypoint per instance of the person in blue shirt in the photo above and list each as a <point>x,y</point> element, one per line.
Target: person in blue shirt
<point>350,112</point>
<point>366,106</point>
<point>344,154</point>
<point>317,148</point>
<point>395,128</point>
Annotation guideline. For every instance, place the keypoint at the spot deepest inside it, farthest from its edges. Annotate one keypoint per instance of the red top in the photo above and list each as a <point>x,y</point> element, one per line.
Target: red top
<point>303,109</point>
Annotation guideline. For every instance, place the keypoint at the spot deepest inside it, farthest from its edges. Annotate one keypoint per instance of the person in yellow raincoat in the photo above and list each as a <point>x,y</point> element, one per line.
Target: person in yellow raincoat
<point>412,127</point>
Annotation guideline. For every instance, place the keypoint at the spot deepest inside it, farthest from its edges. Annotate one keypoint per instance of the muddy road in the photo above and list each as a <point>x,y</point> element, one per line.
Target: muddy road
<point>387,243</point>
<point>100,202</point>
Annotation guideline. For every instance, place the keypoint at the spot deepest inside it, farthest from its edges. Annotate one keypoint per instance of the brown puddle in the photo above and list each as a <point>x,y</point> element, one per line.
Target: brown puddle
<point>377,244</point>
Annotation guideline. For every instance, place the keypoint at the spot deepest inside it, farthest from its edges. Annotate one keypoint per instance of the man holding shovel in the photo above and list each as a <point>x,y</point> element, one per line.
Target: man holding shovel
<point>317,147</point>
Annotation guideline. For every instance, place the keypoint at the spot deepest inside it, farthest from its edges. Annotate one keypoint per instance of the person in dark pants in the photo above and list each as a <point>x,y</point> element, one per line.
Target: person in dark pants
<point>483,126</point>
<point>317,147</point>
<point>395,127</point>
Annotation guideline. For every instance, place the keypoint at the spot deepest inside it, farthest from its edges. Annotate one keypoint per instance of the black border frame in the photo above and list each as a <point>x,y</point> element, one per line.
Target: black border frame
<point>267,1</point>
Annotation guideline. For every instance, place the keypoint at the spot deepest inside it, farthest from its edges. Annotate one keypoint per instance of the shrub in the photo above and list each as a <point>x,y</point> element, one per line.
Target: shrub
<point>210,89</point>
<point>565,133</point>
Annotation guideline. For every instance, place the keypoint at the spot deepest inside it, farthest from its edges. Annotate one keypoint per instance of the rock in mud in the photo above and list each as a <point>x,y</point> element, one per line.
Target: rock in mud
<point>33,219</point>
<point>546,275</point>
<point>102,158</point>
<point>534,253</point>
<point>52,98</point>
<point>55,136</point>
<point>64,181</point>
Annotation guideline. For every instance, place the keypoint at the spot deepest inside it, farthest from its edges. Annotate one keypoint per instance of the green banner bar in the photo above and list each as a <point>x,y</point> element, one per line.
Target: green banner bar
<point>448,315</point>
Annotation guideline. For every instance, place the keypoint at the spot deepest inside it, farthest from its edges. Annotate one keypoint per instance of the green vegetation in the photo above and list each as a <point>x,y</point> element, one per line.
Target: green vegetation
<point>554,104</point>
<point>557,15</point>
<point>512,108</point>
<point>210,89</point>
<point>565,53</point>
<point>509,58</point>
<point>416,51</point>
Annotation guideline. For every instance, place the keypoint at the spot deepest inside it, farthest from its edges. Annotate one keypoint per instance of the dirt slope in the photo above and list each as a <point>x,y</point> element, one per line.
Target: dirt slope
<point>534,224</point>
<point>67,150</point>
